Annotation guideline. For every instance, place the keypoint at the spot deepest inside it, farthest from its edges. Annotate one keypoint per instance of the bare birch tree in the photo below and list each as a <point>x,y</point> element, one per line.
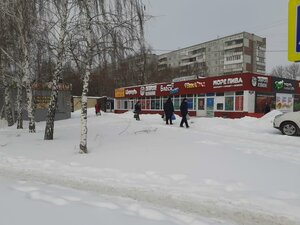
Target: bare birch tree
<point>290,71</point>
<point>62,9</point>
<point>110,30</point>
<point>21,15</point>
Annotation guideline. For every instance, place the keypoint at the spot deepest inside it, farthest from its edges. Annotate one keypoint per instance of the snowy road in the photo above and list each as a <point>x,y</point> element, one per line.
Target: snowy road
<point>219,171</point>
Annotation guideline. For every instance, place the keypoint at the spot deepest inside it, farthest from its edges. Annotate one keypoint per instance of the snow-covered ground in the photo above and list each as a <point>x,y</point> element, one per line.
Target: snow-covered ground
<point>217,172</point>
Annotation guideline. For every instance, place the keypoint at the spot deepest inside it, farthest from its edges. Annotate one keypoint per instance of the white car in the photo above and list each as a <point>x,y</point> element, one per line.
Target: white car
<point>288,123</point>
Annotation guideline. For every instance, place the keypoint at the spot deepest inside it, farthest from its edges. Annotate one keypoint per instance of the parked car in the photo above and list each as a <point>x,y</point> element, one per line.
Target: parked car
<point>288,123</point>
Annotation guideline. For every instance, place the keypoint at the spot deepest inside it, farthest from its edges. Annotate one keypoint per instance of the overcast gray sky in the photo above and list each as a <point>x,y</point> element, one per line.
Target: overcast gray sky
<point>181,23</point>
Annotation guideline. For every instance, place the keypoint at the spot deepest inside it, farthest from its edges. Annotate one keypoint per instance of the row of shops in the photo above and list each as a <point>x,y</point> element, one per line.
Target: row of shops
<point>231,96</point>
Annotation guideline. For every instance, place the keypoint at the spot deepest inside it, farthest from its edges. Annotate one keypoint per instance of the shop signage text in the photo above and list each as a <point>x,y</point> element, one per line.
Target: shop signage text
<point>148,90</point>
<point>166,88</point>
<point>120,93</point>
<point>261,82</point>
<point>196,84</point>
<point>131,92</point>
<point>281,85</point>
<point>228,82</point>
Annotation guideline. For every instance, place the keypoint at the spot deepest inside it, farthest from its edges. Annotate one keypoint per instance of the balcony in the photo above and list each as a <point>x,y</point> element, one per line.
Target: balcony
<point>233,46</point>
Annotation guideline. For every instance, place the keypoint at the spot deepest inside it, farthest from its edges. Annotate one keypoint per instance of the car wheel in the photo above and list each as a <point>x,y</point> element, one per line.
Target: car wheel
<point>289,128</point>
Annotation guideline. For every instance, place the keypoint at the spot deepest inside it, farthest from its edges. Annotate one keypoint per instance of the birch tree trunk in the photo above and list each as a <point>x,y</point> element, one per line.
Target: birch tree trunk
<point>19,106</point>
<point>8,108</point>
<point>29,94</point>
<point>24,26</point>
<point>7,99</point>
<point>49,130</point>
<point>83,117</point>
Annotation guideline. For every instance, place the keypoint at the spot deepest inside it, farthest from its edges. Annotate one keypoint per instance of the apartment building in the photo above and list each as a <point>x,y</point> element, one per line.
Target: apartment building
<point>237,53</point>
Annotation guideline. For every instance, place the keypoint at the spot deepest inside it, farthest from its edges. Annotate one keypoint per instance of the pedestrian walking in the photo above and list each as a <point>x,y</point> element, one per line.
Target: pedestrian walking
<point>137,110</point>
<point>97,109</point>
<point>184,112</point>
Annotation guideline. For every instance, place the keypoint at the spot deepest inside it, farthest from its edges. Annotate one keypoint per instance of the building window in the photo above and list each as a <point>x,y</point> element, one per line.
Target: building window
<point>239,93</point>
<point>176,103</point>
<point>233,58</point>
<point>239,103</point>
<point>219,106</point>
<point>201,104</point>
<point>229,102</point>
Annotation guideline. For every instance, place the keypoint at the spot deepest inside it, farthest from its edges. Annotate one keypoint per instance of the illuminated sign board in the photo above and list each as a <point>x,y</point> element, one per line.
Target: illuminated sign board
<point>283,85</point>
<point>294,31</point>
<point>228,82</point>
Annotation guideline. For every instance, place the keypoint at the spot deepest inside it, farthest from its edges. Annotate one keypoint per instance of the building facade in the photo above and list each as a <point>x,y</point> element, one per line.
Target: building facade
<point>231,96</point>
<point>238,53</point>
<point>41,98</point>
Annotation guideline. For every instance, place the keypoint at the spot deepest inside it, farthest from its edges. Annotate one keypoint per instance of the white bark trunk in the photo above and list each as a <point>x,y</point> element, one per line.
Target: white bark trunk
<point>19,107</point>
<point>49,130</point>
<point>83,117</point>
<point>29,95</point>
<point>88,35</point>
<point>7,100</point>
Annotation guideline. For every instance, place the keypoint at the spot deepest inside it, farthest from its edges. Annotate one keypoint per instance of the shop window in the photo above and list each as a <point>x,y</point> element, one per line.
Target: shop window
<point>201,103</point>
<point>118,104</point>
<point>190,103</point>
<point>220,94</point>
<point>210,94</point>
<point>296,103</point>
<point>229,103</point>
<point>148,104</point>
<point>155,103</point>
<point>176,103</point>
<point>143,103</point>
<point>229,93</point>
<point>220,106</point>
<point>239,93</point>
<point>239,103</point>
<point>262,99</point>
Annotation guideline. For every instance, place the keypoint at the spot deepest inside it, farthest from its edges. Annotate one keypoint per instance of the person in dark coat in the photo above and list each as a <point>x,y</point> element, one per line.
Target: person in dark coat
<point>184,112</point>
<point>267,108</point>
<point>169,110</point>
<point>137,110</point>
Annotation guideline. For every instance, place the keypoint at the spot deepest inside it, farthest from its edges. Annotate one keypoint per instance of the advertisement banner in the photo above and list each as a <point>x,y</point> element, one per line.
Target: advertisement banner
<point>283,85</point>
<point>41,102</point>
<point>120,93</point>
<point>284,102</point>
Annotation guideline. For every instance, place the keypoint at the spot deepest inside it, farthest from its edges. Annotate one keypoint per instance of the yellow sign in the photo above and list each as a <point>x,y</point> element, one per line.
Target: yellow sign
<point>120,93</point>
<point>294,31</point>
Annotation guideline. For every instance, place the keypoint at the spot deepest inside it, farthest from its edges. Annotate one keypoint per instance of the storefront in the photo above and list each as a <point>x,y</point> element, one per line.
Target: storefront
<point>231,96</point>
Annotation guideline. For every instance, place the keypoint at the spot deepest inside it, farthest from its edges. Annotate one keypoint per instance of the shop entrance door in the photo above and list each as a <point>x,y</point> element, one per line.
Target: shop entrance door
<point>210,107</point>
<point>201,110</point>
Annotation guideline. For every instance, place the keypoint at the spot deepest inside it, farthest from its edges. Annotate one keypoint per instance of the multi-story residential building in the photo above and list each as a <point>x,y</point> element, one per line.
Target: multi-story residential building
<point>238,53</point>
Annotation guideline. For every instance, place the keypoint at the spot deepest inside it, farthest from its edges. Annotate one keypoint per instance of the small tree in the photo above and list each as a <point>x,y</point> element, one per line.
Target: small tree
<point>110,30</point>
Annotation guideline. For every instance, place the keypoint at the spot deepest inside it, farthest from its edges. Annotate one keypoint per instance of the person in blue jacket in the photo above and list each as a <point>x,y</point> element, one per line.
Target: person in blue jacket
<point>184,111</point>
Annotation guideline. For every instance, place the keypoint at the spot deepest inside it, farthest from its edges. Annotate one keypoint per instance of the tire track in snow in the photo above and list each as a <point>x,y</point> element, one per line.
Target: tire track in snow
<point>204,208</point>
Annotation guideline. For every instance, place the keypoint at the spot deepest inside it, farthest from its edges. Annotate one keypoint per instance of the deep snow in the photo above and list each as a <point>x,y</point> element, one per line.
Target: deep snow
<point>219,171</point>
